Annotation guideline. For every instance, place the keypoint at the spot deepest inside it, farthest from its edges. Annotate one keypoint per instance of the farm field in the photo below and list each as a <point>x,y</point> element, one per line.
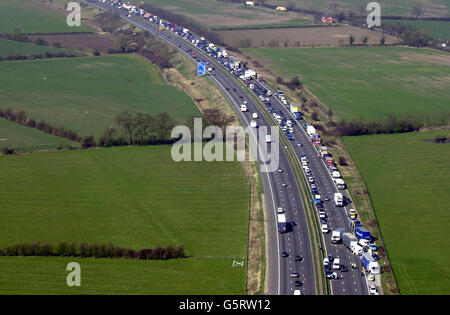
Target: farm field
<point>366,82</point>
<point>408,184</point>
<point>9,47</point>
<point>435,8</point>
<point>99,196</point>
<point>218,15</point>
<point>25,138</point>
<point>437,29</point>
<point>84,94</point>
<point>303,37</point>
<point>47,275</point>
<point>30,17</point>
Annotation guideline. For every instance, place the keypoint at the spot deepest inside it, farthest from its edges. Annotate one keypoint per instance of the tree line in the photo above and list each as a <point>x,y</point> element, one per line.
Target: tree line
<point>97,250</point>
<point>138,129</point>
<point>392,124</point>
<point>21,117</point>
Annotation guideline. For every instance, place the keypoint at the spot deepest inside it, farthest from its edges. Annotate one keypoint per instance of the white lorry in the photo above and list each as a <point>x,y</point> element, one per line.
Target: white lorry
<point>338,199</point>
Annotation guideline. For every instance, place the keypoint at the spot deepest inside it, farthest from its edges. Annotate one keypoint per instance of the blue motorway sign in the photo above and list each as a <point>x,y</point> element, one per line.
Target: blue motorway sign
<point>201,68</point>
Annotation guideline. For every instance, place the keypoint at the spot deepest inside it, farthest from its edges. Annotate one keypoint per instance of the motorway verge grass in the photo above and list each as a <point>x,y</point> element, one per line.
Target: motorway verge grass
<point>84,94</point>
<point>367,82</point>
<point>408,184</point>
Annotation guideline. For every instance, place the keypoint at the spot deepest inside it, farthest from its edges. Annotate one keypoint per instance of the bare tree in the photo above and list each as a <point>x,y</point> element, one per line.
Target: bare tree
<point>126,122</point>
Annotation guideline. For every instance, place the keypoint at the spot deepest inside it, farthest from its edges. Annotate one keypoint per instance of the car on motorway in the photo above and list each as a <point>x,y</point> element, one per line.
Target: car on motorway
<point>280,210</point>
<point>294,275</point>
<point>373,290</point>
<point>326,198</point>
<point>284,254</point>
<point>326,262</point>
<point>298,283</point>
<point>343,268</point>
<point>299,144</point>
<point>280,170</point>
<point>298,258</point>
<point>332,275</point>
<point>255,115</point>
<point>297,292</point>
<point>283,184</point>
<point>243,108</point>
<point>310,179</point>
<point>371,277</point>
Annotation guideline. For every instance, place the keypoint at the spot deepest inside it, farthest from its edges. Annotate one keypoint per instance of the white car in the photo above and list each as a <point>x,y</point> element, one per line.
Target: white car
<point>280,210</point>
<point>373,290</point>
<point>255,115</point>
<point>297,292</point>
<point>336,264</point>
<point>243,108</point>
<point>325,228</point>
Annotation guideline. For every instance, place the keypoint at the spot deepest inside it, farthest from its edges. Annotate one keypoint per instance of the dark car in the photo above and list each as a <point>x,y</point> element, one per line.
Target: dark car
<point>284,254</point>
<point>343,268</point>
<point>298,258</point>
<point>298,283</point>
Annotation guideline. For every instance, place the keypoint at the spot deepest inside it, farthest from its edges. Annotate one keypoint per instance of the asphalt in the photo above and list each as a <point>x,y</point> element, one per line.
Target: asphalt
<point>297,240</point>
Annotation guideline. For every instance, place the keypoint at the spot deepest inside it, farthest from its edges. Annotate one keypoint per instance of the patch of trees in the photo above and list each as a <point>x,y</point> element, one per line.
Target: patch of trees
<point>109,22</point>
<point>293,84</point>
<point>21,117</point>
<point>16,36</point>
<point>97,250</point>
<point>409,35</point>
<point>138,129</point>
<point>47,55</point>
<point>145,44</point>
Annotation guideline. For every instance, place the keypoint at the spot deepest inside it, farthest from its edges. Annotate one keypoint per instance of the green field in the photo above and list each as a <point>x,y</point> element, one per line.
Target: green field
<point>25,138</point>
<point>436,29</point>
<point>31,17</point>
<point>45,275</point>
<point>408,182</point>
<point>388,7</point>
<point>9,47</point>
<point>84,94</point>
<point>367,82</point>
<point>218,15</point>
<point>99,196</point>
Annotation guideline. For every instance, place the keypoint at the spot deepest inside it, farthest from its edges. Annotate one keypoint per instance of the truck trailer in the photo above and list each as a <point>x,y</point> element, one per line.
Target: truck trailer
<point>362,233</point>
<point>282,227</point>
<point>338,200</point>
<point>370,264</point>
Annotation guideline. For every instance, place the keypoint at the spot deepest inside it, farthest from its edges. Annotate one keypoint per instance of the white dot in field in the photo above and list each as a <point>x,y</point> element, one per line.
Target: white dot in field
<point>45,78</point>
<point>87,112</point>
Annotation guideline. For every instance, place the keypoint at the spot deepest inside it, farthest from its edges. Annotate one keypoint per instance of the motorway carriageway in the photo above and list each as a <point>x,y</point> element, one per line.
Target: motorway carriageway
<point>296,242</point>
